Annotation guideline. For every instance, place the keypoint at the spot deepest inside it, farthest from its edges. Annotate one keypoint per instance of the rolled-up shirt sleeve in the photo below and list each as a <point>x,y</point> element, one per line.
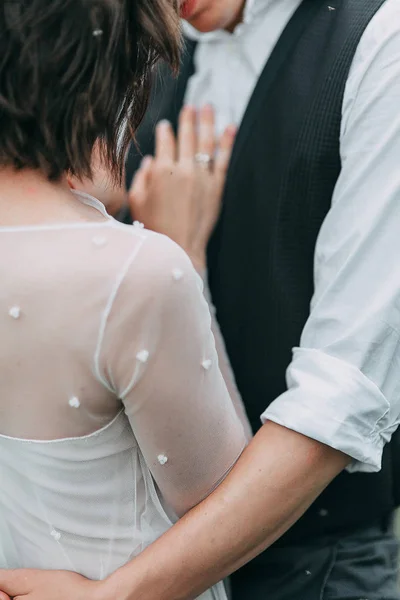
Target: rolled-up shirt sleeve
<point>344,379</point>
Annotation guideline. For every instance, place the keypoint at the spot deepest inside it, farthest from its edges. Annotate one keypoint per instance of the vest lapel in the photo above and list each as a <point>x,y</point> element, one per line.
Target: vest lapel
<point>279,56</point>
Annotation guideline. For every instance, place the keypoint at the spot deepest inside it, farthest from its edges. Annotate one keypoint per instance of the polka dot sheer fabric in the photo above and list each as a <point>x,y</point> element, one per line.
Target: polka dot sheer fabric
<point>114,415</point>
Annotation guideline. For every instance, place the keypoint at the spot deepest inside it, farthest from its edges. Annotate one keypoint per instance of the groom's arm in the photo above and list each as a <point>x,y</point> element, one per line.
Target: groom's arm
<point>277,478</point>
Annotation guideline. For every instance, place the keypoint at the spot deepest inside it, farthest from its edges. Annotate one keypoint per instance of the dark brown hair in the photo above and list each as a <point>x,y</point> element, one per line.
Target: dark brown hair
<point>74,73</point>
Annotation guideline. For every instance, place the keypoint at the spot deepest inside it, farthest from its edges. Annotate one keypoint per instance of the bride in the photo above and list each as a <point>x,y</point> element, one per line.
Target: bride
<point>115,417</point>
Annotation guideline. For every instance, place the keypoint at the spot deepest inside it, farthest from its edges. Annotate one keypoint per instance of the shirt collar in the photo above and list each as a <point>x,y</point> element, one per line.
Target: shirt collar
<point>252,9</point>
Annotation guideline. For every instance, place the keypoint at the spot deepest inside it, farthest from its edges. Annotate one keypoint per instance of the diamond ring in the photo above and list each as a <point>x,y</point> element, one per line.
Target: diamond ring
<point>203,159</point>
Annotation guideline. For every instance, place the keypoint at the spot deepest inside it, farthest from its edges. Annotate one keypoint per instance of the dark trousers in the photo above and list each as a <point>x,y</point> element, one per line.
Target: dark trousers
<point>362,565</point>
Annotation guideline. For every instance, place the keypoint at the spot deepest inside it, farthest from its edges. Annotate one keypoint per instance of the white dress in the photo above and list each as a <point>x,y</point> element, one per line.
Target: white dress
<point>114,415</point>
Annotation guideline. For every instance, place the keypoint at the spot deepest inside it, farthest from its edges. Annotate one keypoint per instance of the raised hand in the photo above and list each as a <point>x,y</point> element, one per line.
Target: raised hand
<point>178,192</point>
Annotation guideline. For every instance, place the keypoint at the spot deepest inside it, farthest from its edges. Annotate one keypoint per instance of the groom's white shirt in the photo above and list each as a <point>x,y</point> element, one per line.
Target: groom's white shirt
<point>344,379</point>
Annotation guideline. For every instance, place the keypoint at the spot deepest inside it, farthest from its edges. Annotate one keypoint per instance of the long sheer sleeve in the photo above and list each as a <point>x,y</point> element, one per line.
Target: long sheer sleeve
<point>160,358</point>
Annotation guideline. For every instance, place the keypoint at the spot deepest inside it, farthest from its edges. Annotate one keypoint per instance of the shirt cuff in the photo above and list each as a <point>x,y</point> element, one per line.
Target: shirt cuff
<point>331,401</point>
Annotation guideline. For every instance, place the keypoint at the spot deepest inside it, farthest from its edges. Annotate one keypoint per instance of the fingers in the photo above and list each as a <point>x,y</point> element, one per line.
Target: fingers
<point>139,187</point>
<point>187,134</point>
<point>225,149</point>
<point>4,596</point>
<point>206,131</point>
<point>165,150</point>
<point>191,140</point>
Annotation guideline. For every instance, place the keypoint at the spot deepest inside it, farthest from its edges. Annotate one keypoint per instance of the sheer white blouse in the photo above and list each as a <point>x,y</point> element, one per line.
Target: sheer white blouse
<point>114,415</point>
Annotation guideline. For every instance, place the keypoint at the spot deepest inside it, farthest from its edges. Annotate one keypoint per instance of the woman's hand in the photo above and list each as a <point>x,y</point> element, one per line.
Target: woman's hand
<point>30,584</point>
<point>178,192</point>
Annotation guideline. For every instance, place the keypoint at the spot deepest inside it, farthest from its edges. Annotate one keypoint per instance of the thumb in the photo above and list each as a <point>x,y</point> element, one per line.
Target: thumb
<point>138,189</point>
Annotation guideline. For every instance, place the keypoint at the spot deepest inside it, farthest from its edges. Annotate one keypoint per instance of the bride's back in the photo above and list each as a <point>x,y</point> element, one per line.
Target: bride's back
<point>110,382</point>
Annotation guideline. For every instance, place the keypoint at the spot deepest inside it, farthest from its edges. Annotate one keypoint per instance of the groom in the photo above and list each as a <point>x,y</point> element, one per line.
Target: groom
<point>304,264</point>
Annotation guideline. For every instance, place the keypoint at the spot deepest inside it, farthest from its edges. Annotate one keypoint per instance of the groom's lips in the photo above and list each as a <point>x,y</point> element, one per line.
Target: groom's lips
<point>187,8</point>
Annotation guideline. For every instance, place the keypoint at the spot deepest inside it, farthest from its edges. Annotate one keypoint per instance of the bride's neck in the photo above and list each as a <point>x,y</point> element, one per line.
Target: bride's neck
<point>28,197</point>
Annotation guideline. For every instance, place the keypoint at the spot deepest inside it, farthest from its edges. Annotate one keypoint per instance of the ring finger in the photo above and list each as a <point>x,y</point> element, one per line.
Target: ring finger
<point>206,132</point>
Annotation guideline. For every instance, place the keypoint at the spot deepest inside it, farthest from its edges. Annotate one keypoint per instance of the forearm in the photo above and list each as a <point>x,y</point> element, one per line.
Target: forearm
<point>277,478</point>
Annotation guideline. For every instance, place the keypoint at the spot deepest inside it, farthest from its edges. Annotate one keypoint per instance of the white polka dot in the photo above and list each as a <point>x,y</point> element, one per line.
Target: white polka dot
<point>162,459</point>
<point>308,573</point>
<point>206,364</point>
<point>99,241</point>
<point>142,356</point>
<point>55,534</point>
<point>74,402</point>
<point>15,312</point>
<point>138,224</point>
<point>177,274</point>
<point>323,512</point>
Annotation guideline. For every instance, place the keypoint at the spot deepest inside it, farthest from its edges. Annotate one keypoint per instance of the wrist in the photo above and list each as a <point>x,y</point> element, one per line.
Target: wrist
<point>128,583</point>
<point>115,588</point>
<point>97,590</point>
<point>143,578</point>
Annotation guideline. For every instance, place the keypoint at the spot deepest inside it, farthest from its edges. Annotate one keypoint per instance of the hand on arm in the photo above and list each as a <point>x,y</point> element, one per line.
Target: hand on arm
<point>172,193</point>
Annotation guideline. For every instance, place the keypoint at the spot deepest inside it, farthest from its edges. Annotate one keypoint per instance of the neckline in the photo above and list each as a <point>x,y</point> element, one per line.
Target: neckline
<point>82,197</point>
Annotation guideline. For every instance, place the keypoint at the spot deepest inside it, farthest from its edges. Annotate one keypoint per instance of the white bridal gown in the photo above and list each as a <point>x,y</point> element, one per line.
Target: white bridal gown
<point>114,415</point>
